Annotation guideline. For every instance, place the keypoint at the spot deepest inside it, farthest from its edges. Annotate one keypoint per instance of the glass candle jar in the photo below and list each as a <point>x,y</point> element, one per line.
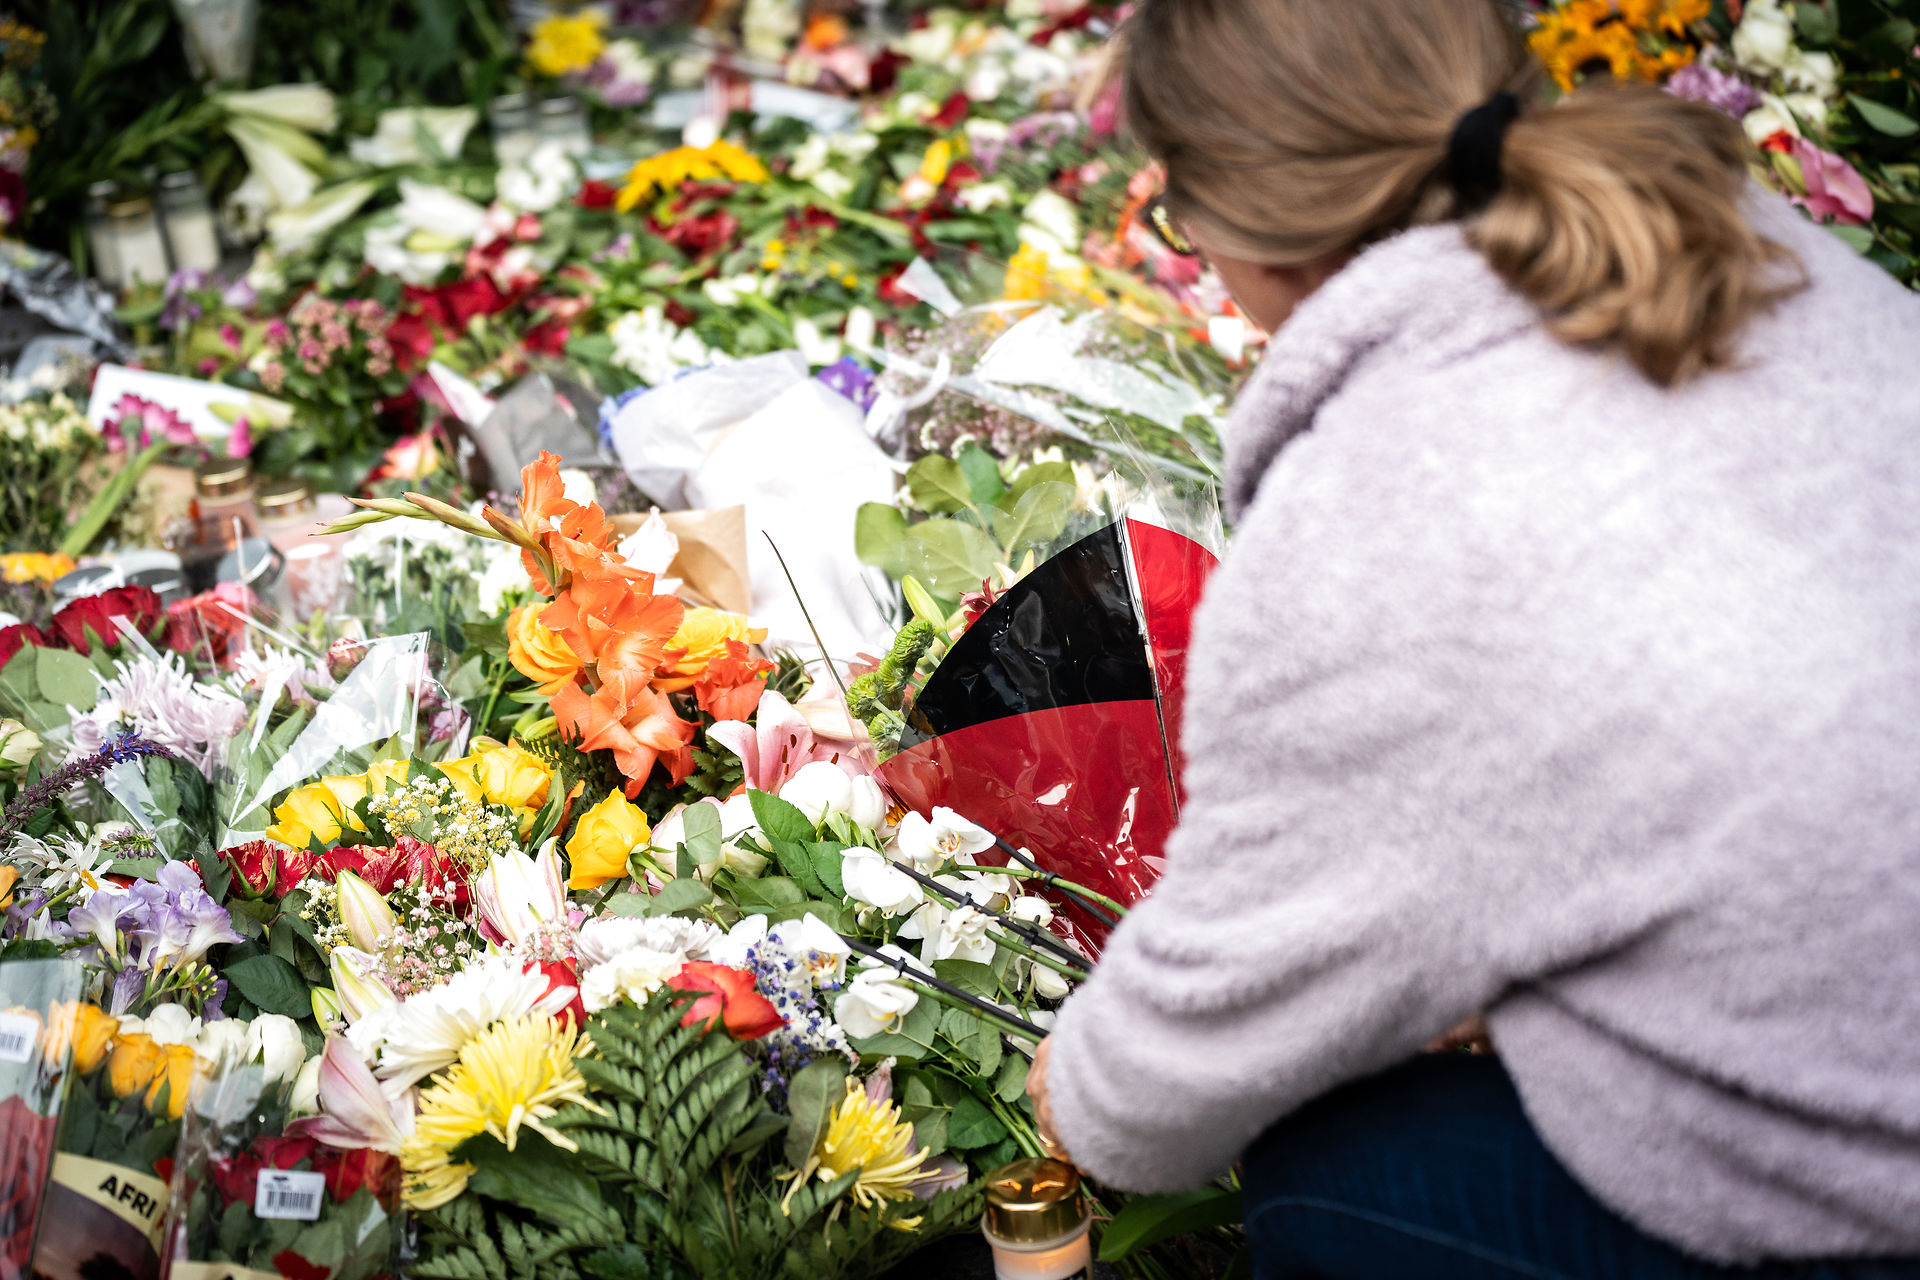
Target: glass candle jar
<point>220,521</point>
<point>188,218</point>
<point>564,120</point>
<point>291,517</point>
<point>139,248</point>
<point>515,131</point>
<point>1037,1222</point>
<point>100,241</point>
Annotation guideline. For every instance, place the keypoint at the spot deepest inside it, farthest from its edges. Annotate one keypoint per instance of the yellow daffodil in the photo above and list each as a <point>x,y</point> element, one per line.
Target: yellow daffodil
<point>566,43</point>
<point>666,171</point>
<point>513,1076</point>
<point>598,848</point>
<point>539,653</point>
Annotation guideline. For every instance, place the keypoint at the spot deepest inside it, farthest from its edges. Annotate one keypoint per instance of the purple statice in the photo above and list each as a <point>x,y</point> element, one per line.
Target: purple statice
<point>851,379</point>
<point>1698,82</point>
<point>113,751</point>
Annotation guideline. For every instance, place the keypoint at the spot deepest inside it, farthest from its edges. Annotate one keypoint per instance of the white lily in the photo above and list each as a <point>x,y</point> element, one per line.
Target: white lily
<point>396,135</point>
<point>303,106</point>
<point>301,226</point>
<point>286,160</point>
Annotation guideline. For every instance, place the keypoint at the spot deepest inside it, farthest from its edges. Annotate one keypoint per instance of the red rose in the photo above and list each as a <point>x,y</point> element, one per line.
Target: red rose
<point>595,194</point>
<point>262,868</point>
<point>412,340</point>
<point>215,620</point>
<point>952,111</point>
<point>277,1151</point>
<point>93,618</point>
<point>17,637</point>
<point>730,999</point>
<point>562,973</point>
<point>344,858</point>
<point>548,338</point>
<point>347,1171</point>
<point>234,1176</point>
<point>294,1267</point>
<point>466,299</point>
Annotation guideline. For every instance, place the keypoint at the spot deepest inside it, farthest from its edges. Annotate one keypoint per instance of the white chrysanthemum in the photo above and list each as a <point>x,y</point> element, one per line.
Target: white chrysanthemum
<point>410,1040</point>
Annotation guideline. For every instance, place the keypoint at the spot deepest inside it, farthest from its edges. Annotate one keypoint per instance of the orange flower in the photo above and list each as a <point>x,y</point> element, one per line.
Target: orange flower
<point>730,687</point>
<point>635,722</point>
<point>615,624</point>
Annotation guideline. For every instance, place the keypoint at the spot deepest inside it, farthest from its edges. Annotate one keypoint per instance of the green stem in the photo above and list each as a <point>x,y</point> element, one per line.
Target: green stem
<point>1060,882</point>
<point>1023,1132</point>
<point>1020,948</point>
<point>108,500</point>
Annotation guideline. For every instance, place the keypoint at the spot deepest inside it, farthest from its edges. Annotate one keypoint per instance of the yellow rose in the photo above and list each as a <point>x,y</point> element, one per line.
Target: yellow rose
<point>9,877</point>
<point>597,851</point>
<point>174,1079</point>
<point>89,1027</point>
<point>319,811</point>
<point>134,1062</point>
<point>702,637</point>
<point>383,774</point>
<point>502,775</point>
<point>541,655</point>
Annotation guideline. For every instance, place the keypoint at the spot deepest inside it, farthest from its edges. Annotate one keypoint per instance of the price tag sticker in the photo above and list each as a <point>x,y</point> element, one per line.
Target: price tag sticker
<point>17,1034</point>
<point>288,1193</point>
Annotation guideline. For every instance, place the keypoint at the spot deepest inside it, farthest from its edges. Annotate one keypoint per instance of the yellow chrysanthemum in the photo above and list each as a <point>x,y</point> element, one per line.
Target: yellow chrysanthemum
<point>664,172</point>
<point>868,1135</point>
<point>34,566</point>
<point>512,1076</point>
<point>563,44</point>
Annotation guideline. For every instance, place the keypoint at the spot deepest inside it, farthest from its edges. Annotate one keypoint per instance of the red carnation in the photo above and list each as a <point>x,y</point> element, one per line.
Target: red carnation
<point>595,194</point>
<point>730,1000</point>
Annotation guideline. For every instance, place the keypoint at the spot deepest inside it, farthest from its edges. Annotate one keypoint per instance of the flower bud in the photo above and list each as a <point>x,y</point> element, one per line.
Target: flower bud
<point>18,745</point>
<point>368,919</point>
<point>326,1006</point>
<point>358,996</point>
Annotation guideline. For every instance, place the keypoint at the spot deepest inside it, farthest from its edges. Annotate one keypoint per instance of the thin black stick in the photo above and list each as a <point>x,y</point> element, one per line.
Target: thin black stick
<point>1052,881</point>
<point>985,1008</point>
<point>1022,928</point>
<point>801,601</point>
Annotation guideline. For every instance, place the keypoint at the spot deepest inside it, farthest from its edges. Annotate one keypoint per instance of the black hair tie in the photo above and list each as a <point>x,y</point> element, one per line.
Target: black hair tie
<point>1473,152</point>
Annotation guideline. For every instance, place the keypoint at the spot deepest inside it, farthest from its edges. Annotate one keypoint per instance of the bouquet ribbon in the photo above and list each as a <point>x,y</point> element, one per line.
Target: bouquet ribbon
<point>136,1198</point>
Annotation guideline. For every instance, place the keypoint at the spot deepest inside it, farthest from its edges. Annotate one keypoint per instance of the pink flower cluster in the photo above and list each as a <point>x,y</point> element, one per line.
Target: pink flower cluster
<point>317,330</point>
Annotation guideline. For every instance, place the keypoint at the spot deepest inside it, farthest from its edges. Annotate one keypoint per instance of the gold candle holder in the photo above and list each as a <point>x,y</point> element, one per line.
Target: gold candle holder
<point>1037,1222</point>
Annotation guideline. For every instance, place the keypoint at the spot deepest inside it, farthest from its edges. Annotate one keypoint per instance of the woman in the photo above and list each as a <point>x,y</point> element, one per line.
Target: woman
<point>1565,666</point>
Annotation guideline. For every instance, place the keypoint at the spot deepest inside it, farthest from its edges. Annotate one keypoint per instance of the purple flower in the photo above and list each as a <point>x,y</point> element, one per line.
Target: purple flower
<point>180,310</point>
<point>1698,82</point>
<point>240,294</point>
<point>852,380</point>
<point>184,922</point>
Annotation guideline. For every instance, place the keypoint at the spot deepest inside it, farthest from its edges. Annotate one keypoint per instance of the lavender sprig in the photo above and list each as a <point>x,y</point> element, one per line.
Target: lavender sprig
<point>56,784</point>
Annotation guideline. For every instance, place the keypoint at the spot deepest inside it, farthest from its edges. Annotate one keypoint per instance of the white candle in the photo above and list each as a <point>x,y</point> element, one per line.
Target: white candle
<point>139,249</point>
<point>1051,1261</point>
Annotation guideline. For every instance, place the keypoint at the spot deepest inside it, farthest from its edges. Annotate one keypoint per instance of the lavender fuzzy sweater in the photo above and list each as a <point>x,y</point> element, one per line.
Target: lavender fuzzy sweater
<point>1532,688</point>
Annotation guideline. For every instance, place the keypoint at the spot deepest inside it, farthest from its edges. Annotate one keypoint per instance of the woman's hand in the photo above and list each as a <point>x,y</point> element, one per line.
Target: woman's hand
<point>1042,1110</point>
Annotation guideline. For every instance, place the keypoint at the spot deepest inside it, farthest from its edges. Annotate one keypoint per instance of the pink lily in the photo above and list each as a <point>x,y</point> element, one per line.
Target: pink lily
<point>517,896</point>
<point>777,744</point>
<point>354,1112</point>
<point>1835,190</point>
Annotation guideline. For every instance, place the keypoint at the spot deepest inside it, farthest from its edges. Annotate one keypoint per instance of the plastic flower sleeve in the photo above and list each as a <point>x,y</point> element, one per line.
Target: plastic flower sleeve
<point>253,1196</point>
<point>38,1004</point>
<point>106,1203</point>
<point>373,713</point>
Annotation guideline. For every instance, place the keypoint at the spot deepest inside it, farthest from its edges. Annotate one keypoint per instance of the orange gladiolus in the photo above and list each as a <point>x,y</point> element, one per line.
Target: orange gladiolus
<point>615,624</point>
<point>635,722</point>
<point>730,687</point>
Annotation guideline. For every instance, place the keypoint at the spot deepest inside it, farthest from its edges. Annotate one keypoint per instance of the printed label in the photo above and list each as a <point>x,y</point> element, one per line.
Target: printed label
<point>288,1194</point>
<point>17,1034</point>
<point>136,1198</point>
<point>217,1271</point>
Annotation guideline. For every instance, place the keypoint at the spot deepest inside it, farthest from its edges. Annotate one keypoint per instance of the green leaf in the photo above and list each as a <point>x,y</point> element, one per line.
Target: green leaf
<point>757,897</point>
<point>938,486</point>
<point>1011,1082</point>
<point>1147,1220</point>
<point>1893,123</point>
<point>489,638</point>
<point>973,1125</point>
<point>1859,239</point>
<point>1039,517</point>
<point>811,1098</point>
<point>273,984</point>
<point>701,825</point>
<point>677,896</point>
<point>796,859</point>
<point>535,1175</point>
<point>974,1038</point>
<point>982,473</point>
<point>970,976</point>
<point>1039,473</point>
<point>66,679</point>
<point>826,866</point>
<point>877,533</point>
<point>951,556</point>
<point>778,819</point>
<point>1815,23</point>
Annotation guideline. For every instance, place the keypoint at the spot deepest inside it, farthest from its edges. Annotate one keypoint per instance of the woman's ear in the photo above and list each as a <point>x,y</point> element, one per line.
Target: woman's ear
<point>1267,292</point>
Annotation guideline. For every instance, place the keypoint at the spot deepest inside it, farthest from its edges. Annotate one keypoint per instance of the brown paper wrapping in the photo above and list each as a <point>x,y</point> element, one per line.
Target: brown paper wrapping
<point>712,564</point>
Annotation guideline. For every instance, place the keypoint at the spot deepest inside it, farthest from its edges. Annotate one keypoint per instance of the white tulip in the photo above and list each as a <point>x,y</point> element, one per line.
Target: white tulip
<point>304,1098</point>
<point>275,1039</point>
<point>819,789</point>
<point>868,805</point>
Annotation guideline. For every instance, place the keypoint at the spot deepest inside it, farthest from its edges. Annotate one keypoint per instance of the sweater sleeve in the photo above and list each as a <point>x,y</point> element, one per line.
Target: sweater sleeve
<point>1406,793</point>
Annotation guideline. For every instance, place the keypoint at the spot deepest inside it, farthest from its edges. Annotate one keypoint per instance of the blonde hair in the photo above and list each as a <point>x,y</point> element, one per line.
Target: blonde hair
<point>1293,130</point>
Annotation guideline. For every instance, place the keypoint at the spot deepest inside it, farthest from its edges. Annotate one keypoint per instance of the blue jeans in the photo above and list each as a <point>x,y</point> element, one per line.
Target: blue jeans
<point>1431,1171</point>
